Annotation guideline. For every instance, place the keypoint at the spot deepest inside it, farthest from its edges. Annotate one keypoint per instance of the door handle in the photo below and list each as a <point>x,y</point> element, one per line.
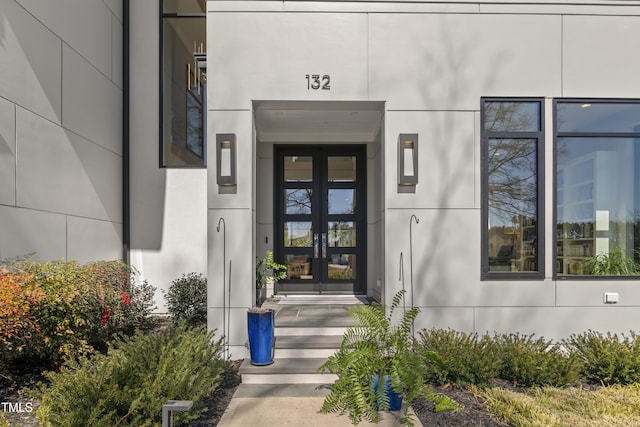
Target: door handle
<point>315,245</point>
<point>324,245</point>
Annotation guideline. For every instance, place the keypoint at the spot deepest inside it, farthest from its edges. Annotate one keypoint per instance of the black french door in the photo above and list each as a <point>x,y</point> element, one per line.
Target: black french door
<point>320,218</point>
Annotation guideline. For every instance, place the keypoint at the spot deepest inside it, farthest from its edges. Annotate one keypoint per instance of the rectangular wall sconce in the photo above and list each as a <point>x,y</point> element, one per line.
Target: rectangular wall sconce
<point>408,159</point>
<point>226,158</point>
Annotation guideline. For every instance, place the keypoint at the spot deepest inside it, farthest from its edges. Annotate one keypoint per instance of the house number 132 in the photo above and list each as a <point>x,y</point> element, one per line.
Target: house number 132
<point>316,81</point>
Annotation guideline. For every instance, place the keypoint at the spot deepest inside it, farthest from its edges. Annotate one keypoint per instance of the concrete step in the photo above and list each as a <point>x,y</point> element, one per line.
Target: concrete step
<point>286,371</point>
<point>305,346</point>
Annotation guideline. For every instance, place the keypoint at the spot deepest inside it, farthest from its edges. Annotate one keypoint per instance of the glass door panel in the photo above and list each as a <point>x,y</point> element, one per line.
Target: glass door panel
<point>320,203</point>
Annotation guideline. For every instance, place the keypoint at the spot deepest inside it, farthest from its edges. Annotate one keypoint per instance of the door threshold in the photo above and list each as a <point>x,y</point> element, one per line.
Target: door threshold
<point>322,299</point>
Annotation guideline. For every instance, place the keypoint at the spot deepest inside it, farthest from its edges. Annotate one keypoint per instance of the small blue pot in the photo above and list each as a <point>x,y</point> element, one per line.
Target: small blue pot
<point>395,399</point>
<point>261,336</point>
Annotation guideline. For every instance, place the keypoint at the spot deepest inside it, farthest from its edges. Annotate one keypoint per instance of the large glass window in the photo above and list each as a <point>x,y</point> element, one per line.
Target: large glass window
<point>512,144</point>
<point>597,149</point>
<point>184,81</point>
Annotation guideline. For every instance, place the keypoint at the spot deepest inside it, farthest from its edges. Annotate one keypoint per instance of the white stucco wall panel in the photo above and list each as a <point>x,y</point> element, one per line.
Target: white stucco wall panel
<point>91,103</point>
<point>84,25</point>
<point>218,318</point>
<point>375,189</point>
<point>116,51</point>
<point>147,179</point>
<point>30,69</point>
<point>600,56</point>
<point>447,62</point>
<point>24,231</point>
<point>116,8</point>
<point>591,292</point>
<point>7,153</point>
<point>59,171</point>
<point>89,240</point>
<point>239,250</point>
<point>272,53</point>
<point>446,160</point>
<point>264,189</point>
<point>568,8</point>
<point>182,237</point>
<point>457,318</point>
<point>555,323</point>
<point>241,195</point>
<point>376,6</point>
<point>446,265</point>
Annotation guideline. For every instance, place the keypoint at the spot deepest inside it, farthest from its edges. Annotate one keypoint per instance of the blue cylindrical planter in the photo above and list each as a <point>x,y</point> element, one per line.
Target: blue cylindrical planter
<point>395,400</point>
<point>261,336</point>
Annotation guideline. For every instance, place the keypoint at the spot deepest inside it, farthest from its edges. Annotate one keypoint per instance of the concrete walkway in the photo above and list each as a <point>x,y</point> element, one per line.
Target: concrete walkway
<point>288,411</point>
<point>290,405</point>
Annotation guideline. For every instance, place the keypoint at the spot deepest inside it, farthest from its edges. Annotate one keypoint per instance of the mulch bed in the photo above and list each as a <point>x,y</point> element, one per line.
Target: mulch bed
<point>474,412</point>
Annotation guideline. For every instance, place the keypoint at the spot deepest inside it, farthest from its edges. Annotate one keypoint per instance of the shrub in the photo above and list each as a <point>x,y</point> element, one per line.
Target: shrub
<point>527,361</point>
<point>18,326</point>
<point>187,299</point>
<point>129,385</point>
<point>607,359</point>
<point>463,358</point>
<point>73,308</point>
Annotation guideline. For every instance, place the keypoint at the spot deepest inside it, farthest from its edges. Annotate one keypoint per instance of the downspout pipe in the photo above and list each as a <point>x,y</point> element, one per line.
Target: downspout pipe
<point>126,206</point>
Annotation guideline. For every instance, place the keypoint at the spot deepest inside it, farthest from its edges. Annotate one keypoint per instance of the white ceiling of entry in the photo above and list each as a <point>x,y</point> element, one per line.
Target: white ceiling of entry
<point>318,121</point>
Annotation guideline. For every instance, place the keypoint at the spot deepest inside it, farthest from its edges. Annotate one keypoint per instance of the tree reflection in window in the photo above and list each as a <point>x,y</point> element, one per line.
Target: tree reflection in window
<point>512,131</point>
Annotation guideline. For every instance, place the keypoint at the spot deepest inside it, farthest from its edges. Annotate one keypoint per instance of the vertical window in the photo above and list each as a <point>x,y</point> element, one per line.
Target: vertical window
<point>512,207</point>
<point>183,83</point>
<point>597,149</point>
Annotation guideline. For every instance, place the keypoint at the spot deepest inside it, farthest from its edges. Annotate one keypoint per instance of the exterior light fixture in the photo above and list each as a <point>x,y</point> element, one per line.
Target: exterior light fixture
<point>226,158</point>
<point>408,159</point>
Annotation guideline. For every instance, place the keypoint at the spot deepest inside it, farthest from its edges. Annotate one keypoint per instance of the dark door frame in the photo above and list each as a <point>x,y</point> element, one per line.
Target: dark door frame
<point>320,217</point>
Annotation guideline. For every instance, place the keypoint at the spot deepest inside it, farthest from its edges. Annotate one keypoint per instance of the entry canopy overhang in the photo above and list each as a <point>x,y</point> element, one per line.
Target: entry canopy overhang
<point>318,121</point>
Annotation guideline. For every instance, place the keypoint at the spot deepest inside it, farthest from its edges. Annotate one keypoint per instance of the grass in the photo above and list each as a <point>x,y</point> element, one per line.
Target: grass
<point>548,406</point>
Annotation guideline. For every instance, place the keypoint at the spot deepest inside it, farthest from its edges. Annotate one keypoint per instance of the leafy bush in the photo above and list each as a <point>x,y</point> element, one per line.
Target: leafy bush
<point>19,294</point>
<point>527,361</point>
<point>129,385</point>
<point>463,358</point>
<point>187,299</point>
<point>71,308</point>
<point>607,359</point>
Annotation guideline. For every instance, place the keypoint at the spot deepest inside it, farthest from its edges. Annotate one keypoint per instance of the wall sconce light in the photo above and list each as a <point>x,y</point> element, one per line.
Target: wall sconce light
<point>226,158</point>
<point>408,159</point>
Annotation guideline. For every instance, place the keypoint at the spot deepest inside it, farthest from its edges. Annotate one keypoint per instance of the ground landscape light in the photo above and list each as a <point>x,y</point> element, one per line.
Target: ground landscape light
<point>408,159</point>
<point>226,158</point>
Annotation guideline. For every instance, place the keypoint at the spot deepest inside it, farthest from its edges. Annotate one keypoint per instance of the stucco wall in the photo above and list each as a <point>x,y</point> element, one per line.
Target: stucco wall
<point>61,129</point>
<point>168,206</point>
<point>430,63</point>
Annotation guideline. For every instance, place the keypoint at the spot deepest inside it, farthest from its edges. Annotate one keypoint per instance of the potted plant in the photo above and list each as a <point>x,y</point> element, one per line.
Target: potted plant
<point>267,272</point>
<point>613,263</point>
<point>260,321</point>
<point>378,366</point>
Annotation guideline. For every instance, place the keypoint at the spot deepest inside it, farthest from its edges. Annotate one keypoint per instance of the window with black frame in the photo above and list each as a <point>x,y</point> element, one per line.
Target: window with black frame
<point>183,81</point>
<point>512,178</point>
<point>597,149</point>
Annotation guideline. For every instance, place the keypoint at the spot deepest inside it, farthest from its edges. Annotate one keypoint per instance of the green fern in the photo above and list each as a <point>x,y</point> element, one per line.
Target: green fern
<point>378,346</point>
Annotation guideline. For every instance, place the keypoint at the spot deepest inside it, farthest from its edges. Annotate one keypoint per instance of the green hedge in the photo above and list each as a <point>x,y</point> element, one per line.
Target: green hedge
<point>607,358</point>
<point>129,385</point>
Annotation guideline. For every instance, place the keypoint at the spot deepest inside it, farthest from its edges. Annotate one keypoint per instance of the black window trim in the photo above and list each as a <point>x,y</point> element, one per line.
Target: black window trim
<point>484,209</point>
<point>556,135</point>
<point>161,163</point>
